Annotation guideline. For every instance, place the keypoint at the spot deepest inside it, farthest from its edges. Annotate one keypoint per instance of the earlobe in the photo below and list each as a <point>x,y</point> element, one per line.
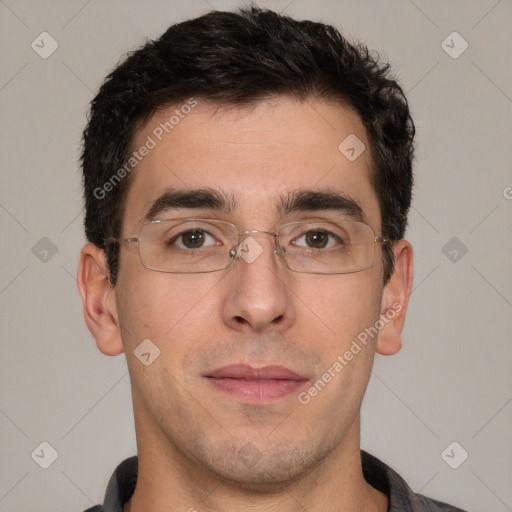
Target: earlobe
<point>98,299</point>
<point>395,300</point>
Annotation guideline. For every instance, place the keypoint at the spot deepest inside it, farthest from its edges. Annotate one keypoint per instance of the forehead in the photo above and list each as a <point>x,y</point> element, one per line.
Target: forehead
<point>256,155</point>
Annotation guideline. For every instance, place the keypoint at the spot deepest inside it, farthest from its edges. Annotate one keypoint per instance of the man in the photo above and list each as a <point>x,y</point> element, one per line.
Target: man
<point>247,181</point>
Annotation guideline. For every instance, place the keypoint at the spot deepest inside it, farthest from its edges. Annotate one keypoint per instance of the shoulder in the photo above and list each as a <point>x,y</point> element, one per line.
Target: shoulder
<point>424,504</point>
<point>401,497</point>
<point>120,487</point>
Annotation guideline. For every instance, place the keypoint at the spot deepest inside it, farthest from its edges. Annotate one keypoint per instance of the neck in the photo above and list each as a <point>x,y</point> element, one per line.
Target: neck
<point>169,480</point>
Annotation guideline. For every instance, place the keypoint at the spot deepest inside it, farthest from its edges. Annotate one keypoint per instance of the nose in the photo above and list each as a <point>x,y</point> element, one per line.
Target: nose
<point>258,296</point>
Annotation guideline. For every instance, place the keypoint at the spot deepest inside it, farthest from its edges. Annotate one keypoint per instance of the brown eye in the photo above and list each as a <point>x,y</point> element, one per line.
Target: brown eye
<point>193,239</point>
<point>317,239</point>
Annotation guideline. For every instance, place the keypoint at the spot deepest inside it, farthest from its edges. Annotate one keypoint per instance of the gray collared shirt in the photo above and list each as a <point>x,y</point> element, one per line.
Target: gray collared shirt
<point>401,498</point>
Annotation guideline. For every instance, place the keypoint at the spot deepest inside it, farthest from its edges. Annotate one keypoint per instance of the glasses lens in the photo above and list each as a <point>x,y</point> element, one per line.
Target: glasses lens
<point>206,245</point>
<point>187,246</point>
<point>328,247</point>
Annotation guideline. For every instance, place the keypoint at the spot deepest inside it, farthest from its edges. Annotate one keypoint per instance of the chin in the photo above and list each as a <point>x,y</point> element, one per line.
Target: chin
<point>268,469</point>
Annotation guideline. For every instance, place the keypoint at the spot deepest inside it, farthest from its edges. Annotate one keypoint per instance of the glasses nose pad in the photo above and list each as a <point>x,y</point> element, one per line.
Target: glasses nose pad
<point>278,249</point>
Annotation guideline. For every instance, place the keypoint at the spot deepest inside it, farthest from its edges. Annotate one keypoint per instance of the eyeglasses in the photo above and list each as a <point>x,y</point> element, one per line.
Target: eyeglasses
<point>186,246</point>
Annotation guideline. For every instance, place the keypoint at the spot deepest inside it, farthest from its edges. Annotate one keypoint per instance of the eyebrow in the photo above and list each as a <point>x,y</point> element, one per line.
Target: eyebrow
<point>315,200</point>
<point>201,198</point>
<point>291,202</point>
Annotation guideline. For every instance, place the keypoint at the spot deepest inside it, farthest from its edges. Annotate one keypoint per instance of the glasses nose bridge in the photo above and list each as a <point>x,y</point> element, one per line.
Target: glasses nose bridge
<point>242,235</point>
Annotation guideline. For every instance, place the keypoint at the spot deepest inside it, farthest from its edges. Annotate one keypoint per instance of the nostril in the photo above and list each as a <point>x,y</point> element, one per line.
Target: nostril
<point>277,319</point>
<point>239,320</point>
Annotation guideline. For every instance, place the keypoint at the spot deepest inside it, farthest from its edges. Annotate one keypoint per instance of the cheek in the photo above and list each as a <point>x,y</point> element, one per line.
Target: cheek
<point>341,306</point>
<point>162,307</point>
<point>174,312</point>
<point>347,305</point>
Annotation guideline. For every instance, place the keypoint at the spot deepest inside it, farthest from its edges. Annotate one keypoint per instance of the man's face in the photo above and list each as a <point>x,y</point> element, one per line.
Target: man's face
<point>254,314</point>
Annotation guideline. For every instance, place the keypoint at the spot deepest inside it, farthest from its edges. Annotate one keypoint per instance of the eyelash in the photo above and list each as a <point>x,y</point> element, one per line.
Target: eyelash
<point>332,236</point>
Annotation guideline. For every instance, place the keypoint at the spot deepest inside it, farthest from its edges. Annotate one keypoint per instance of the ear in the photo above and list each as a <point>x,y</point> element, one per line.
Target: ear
<point>99,300</point>
<point>395,299</point>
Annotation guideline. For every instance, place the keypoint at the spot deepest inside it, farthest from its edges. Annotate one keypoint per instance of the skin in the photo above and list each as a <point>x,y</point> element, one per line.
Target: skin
<point>188,432</point>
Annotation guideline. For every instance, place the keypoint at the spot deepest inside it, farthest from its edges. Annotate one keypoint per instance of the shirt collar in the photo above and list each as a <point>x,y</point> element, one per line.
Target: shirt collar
<point>380,476</point>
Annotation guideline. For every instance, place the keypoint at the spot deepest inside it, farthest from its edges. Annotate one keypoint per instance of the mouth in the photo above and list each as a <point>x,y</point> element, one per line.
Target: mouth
<point>256,385</point>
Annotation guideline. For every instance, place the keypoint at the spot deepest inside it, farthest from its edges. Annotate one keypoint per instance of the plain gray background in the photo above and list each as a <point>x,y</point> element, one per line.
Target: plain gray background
<point>451,381</point>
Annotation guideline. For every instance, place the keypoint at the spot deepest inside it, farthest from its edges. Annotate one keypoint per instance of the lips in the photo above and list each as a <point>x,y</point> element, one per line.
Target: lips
<point>256,385</point>
<point>241,371</point>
